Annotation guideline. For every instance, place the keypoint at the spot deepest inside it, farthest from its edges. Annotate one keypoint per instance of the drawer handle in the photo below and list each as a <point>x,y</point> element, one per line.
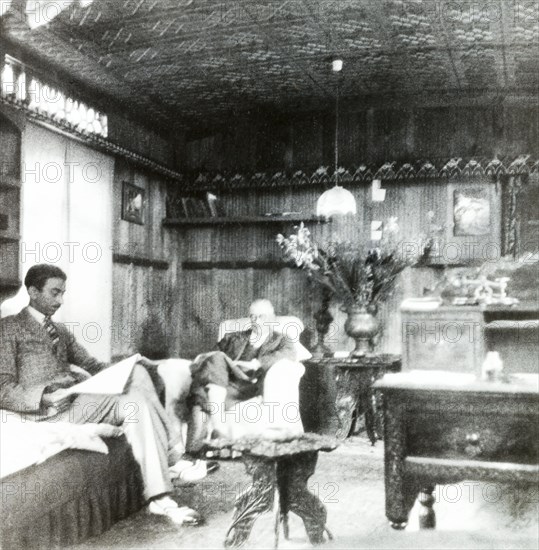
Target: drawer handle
<point>472,439</point>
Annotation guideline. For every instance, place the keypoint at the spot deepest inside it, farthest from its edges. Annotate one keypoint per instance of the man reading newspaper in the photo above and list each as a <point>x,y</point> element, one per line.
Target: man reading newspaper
<point>35,380</point>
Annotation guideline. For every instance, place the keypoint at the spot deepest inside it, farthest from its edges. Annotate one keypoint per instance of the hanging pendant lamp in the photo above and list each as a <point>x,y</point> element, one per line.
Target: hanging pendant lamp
<point>337,200</point>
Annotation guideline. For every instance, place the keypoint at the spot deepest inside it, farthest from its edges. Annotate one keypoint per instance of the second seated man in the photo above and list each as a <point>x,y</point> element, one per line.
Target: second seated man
<point>233,373</point>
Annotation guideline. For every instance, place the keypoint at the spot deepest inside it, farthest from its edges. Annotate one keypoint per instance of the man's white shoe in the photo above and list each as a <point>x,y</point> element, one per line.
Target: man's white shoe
<point>187,471</point>
<point>183,515</point>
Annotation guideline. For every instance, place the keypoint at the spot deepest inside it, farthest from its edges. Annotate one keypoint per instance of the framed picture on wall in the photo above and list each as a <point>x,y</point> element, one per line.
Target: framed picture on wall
<point>133,203</point>
<point>471,211</point>
<point>473,224</point>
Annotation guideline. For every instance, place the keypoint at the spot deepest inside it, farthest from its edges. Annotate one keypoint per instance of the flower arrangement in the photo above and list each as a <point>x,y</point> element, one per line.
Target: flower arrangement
<point>356,275</point>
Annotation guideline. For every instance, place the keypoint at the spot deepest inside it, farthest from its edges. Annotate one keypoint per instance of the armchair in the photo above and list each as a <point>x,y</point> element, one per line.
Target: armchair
<point>278,407</point>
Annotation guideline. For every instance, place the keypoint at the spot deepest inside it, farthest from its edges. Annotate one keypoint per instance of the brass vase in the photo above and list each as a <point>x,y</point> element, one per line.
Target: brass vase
<point>361,325</point>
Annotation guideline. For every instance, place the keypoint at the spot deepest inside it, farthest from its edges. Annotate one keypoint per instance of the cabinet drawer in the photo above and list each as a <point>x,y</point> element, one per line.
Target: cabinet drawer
<point>474,437</point>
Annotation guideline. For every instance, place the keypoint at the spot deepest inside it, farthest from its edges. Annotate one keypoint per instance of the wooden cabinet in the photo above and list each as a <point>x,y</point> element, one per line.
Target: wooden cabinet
<point>449,428</point>
<point>10,200</point>
<point>514,333</point>
<point>447,338</point>
<point>456,338</point>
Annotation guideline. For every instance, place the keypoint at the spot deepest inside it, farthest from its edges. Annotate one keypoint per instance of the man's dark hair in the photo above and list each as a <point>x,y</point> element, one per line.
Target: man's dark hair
<point>38,275</point>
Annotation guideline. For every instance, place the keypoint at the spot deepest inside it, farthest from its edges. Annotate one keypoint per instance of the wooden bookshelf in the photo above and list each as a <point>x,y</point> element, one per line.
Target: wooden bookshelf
<point>241,220</point>
<point>272,265</point>
<point>140,261</point>
<point>10,208</point>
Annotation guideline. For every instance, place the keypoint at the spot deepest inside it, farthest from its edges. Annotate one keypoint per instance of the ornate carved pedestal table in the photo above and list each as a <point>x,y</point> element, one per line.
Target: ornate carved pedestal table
<point>280,470</point>
<point>354,378</point>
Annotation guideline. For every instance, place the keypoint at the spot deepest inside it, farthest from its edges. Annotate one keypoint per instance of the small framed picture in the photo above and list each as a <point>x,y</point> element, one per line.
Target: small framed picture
<point>471,212</point>
<point>133,203</point>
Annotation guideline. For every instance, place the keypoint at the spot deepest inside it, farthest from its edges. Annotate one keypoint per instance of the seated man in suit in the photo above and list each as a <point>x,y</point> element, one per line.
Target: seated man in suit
<point>234,373</point>
<point>35,358</point>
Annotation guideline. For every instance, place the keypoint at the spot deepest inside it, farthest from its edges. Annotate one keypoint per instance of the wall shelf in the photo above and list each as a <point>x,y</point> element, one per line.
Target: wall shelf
<point>235,264</point>
<point>11,284</point>
<point>8,183</point>
<point>139,261</point>
<point>10,207</point>
<point>9,238</point>
<point>241,220</point>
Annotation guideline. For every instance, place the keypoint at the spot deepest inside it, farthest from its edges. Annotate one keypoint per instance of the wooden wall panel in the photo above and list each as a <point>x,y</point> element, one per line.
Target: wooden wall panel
<point>213,295</point>
<point>308,136</point>
<point>369,132</point>
<point>140,139</point>
<point>143,312</point>
<point>374,134</point>
<point>10,206</point>
<point>147,305</point>
<point>201,312</point>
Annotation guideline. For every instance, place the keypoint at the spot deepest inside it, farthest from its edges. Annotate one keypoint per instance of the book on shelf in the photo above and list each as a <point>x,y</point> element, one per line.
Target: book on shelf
<point>215,206</point>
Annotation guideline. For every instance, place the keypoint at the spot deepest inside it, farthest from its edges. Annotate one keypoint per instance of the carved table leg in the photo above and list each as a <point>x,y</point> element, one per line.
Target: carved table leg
<point>254,501</point>
<point>276,517</point>
<point>347,401</point>
<point>286,528</point>
<point>370,411</point>
<point>292,476</point>
<point>400,493</point>
<point>378,406</point>
<point>427,516</point>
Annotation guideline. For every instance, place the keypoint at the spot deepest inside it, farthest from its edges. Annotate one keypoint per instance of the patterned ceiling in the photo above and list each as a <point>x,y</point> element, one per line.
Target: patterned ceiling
<point>187,61</point>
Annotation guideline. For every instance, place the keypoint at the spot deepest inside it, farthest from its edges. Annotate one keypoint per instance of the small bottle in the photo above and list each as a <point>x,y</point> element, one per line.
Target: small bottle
<point>492,368</point>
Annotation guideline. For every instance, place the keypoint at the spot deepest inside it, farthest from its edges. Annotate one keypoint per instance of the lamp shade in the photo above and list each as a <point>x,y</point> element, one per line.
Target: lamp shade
<point>336,200</point>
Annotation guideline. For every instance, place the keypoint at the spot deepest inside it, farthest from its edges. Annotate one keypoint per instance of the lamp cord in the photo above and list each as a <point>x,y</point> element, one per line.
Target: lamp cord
<point>337,134</point>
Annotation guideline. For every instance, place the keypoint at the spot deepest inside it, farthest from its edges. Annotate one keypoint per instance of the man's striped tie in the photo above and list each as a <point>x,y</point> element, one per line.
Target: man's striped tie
<point>53,333</point>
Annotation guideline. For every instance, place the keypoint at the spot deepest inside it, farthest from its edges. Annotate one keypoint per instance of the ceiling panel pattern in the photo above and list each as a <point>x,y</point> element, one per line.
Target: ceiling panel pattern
<point>185,60</point>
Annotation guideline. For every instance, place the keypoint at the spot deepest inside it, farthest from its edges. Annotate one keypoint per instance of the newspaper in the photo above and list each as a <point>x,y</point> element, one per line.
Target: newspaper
<point>110,381</point>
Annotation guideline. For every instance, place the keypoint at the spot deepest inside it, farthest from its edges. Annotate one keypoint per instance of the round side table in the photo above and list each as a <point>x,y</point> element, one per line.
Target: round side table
<point>280,469</point>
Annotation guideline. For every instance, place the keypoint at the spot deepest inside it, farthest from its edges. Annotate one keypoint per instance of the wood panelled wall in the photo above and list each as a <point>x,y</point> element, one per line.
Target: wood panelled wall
<point>138,138</point>
<point>375,134</point>
<point>371,134</point>
<point>212,295</point>
<point>10,210</point>
<point>146,289</point>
